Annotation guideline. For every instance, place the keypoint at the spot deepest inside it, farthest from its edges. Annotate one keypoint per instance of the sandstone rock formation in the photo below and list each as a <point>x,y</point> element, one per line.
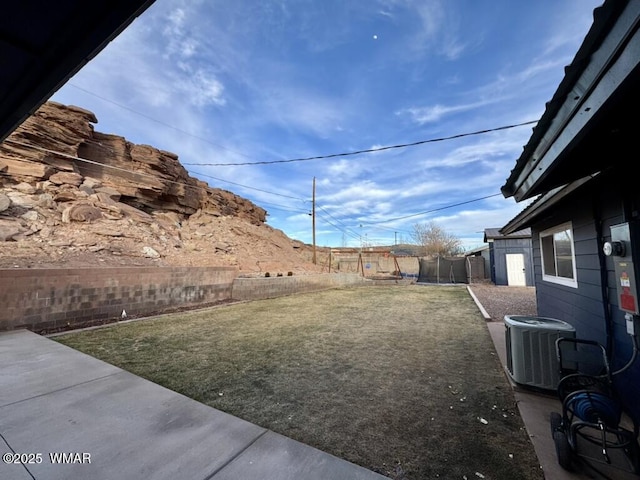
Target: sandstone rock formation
<point>72,196</point>
<point>48,146</point>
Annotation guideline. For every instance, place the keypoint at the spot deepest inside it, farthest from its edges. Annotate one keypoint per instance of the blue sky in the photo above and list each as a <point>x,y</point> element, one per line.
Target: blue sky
<point>233,82</point>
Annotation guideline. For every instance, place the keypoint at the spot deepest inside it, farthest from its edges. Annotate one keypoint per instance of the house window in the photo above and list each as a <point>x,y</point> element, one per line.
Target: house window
<point>558,255</point>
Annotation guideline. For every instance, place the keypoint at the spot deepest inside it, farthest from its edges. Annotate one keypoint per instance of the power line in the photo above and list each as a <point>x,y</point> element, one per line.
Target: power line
<point>174,182</point>
<point>334,218</point>
<point>286,208</point>
<point>434,210</point>
<point>92,162</point>
<point>369,150</point>
<point>109,149</point>
<point>304,159</point>
<point>346,232</point>
<point>160,122</point>
<point>247,186</point>
<point>389,229</point>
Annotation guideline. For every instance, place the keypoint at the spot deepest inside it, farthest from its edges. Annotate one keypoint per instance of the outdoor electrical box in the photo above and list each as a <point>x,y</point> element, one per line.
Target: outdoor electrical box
<point>623,250</point>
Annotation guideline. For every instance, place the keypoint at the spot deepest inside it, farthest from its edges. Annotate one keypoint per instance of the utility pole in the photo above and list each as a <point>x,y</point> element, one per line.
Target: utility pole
<point>313,219</point>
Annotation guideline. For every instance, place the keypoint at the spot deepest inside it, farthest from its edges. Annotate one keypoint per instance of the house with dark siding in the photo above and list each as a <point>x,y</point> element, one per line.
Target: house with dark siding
<point>510,257</point>
<point>579,167</point>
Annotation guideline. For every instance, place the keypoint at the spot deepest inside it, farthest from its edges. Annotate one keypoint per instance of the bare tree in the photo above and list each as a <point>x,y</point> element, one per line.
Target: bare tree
<point>435,241</point>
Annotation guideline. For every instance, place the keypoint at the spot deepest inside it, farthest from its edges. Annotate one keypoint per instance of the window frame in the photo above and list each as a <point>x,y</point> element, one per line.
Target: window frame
<point>554,277</point>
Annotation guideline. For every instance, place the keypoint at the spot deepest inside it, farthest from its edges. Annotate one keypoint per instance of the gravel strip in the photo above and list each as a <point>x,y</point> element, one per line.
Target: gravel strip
<point>499,301</point>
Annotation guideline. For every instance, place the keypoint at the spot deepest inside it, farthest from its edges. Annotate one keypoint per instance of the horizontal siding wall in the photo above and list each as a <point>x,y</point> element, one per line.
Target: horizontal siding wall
<point>52,299</point>
<point>584,307</point>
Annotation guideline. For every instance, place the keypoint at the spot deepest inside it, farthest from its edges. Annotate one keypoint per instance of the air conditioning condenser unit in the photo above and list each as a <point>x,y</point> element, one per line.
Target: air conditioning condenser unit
<point>531,349</point>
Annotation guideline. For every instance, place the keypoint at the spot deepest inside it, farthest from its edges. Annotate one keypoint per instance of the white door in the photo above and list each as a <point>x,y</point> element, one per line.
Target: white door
<point>515,270</point>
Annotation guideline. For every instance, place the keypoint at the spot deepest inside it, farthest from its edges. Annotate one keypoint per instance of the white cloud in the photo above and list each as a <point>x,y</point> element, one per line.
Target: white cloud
<point>425,187</point>
<point>363,190</point>
<point>201,87</point>
<point>430,27</point>
<point>345,170</point>
<point>175,23</point>
<point>435,113</point>
<point>297,108</point>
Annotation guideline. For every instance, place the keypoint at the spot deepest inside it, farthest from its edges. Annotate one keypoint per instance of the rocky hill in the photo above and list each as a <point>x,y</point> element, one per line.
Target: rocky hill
<point>74,197</point>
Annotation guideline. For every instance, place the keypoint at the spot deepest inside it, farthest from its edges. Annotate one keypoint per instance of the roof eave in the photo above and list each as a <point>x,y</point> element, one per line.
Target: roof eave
<point>599,69</point>
<point>528,216</point>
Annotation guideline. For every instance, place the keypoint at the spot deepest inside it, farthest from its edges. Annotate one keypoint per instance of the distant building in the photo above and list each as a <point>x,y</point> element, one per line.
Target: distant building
<point>510,257</point>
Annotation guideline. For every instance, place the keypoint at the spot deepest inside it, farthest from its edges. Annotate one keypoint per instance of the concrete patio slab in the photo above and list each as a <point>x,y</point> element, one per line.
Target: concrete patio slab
<point>18,473</point>
<point>275,457</point>
<point>131,428</point>
<point>34,365</point>
<point>56,400</point>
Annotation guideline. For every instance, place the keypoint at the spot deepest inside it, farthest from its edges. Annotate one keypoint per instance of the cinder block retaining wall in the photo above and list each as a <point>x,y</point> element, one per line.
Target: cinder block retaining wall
<point>50,299</point>
<point>260,288</point>
<point>55,299</point>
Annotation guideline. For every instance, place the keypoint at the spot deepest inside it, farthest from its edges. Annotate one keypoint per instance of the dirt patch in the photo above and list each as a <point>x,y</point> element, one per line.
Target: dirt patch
<point>224,241</point>
<point>403,380</point>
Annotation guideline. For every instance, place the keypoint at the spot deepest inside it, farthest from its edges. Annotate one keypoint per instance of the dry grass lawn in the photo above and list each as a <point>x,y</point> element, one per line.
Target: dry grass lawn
<point>403,380</point>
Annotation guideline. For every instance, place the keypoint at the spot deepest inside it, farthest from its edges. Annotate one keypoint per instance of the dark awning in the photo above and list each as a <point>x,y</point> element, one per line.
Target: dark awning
<point>43,43</point>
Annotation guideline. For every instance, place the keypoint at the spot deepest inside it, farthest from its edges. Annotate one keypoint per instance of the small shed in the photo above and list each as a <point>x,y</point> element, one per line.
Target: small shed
<point>510,257</point>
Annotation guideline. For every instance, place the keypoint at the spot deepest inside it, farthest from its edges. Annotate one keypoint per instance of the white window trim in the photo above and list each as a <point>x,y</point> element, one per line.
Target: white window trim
<point>568,282</point>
